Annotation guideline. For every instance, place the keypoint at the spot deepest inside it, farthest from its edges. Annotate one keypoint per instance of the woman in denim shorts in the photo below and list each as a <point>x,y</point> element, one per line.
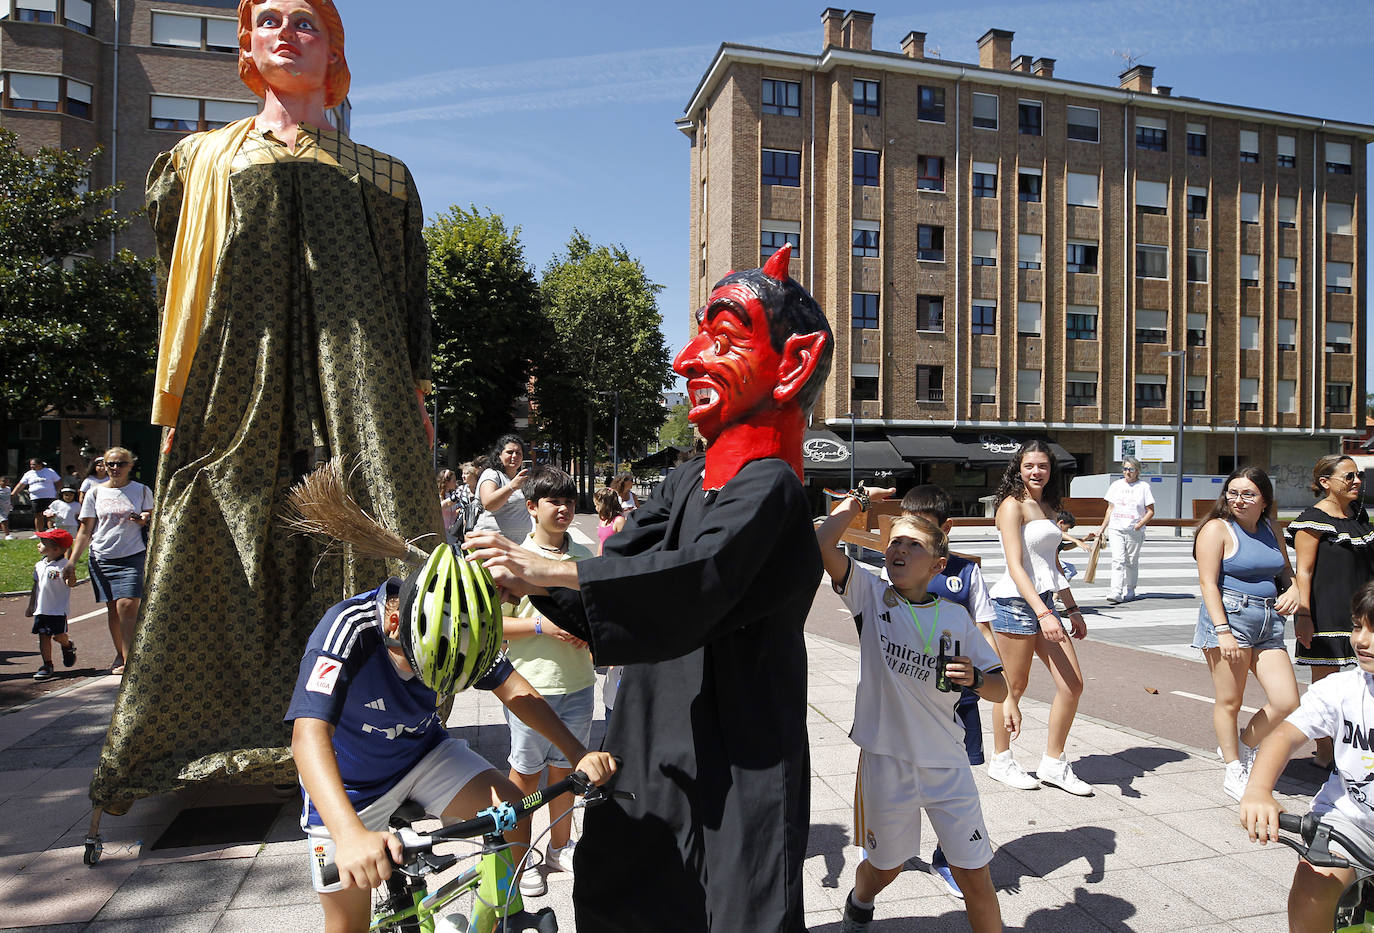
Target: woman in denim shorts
<point>1241,566</point>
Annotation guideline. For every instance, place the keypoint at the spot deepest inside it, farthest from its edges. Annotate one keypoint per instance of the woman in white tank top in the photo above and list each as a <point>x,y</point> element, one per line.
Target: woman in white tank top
<point>1026,623</point>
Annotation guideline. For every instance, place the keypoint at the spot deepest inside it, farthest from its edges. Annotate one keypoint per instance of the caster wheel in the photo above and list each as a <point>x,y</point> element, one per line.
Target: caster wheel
<point>93,849</point>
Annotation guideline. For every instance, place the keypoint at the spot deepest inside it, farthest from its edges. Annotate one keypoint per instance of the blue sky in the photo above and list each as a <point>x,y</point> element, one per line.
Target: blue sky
<point>560,115</point>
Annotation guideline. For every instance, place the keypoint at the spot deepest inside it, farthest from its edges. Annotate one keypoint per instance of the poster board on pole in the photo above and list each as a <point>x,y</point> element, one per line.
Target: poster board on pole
<point>1147,448</point>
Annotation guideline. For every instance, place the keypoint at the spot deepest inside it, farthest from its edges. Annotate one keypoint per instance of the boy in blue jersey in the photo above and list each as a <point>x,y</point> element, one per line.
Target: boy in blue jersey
<point>367,736</point>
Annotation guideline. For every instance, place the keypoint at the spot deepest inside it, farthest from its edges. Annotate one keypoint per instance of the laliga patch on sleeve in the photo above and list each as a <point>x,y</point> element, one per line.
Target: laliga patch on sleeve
<point>324,675</point>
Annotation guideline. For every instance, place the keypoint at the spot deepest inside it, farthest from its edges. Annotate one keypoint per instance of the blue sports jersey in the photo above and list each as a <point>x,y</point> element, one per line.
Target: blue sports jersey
<point>384,721</point>
<point>952,583</point>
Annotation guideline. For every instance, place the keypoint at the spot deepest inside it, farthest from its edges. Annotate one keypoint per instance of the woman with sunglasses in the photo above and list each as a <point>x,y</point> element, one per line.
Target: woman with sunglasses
<point>1241,567</point>
<point>113,517</point>
<point>1332,539</point>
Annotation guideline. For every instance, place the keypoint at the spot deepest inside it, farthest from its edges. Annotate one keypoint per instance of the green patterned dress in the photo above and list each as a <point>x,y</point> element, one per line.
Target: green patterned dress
<point>316,334</point>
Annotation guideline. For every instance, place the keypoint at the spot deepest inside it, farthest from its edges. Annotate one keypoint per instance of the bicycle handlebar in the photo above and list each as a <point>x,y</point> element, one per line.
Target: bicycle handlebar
<point>1316,837</point>
<point>495,819</point>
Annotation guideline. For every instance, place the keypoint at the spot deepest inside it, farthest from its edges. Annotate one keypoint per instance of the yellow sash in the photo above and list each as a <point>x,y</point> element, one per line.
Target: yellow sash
<point>204,163</point>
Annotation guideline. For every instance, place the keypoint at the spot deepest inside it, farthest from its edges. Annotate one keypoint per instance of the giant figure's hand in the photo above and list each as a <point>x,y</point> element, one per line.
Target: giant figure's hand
<point>424,415</point>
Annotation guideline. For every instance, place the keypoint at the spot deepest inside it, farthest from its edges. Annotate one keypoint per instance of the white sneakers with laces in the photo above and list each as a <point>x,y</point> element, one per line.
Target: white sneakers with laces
<point>561,859</point>
<point>1057,772</point>
<point>1004,768</point>
<point>1236,778</point>
<point>532,883</point>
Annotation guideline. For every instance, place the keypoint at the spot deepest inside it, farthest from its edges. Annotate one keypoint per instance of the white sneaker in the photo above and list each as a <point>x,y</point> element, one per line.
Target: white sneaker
<point>9,537</point>
<point>532,883</point>
<point>561,859</point>
<point>1247,757</point>
<point>1236,779</point>
<point>1004,768</point>
<point>1057,772</point>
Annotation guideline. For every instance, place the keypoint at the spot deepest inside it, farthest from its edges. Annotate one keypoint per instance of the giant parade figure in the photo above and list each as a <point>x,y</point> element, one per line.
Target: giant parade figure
<point>295,328</point>
<point>703,597</point>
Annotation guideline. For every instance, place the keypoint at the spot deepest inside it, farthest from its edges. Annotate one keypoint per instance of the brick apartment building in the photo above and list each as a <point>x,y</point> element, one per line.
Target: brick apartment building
<point>1006,254</point>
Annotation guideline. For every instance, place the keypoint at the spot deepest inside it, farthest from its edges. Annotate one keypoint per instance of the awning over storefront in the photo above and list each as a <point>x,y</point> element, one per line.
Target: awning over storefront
<point>826,457</point>
<point>976,450</point>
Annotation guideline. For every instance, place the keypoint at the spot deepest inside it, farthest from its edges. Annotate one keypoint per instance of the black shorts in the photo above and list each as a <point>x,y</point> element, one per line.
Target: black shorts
<point>41,505</point>
<point>49,625</point>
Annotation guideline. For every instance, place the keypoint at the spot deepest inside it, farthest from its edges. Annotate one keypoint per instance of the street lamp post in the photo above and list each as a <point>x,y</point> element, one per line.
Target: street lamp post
<point>615,430</point>
<point>1182,403</point>
<point>850,416</point>
<point>1234,424</point>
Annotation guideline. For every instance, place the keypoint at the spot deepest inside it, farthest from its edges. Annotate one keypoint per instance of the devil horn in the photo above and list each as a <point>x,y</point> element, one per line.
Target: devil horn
<point>776,266</point>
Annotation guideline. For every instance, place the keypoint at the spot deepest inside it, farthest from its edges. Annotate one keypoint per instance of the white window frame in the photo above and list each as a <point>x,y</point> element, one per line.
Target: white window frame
<point>1152,249</point>
<point>1069,111</point>
<point>996,119</point>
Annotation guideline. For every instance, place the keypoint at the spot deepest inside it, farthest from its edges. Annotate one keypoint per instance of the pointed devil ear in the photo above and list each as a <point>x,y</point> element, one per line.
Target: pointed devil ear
<point>800,357</point>
<point>776,266</point>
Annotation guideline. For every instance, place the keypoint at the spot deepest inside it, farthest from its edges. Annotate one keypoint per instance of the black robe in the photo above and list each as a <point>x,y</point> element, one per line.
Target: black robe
<point>703,598</point>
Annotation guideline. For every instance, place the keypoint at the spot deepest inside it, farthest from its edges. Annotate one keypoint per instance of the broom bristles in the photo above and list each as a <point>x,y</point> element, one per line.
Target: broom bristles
<point>321,505</point>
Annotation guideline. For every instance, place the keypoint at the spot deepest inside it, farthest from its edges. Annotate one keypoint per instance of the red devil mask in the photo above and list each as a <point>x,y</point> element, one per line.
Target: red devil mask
<point>755,368</point>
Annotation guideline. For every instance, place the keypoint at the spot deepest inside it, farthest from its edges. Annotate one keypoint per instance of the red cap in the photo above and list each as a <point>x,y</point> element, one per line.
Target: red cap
<point>59,536</point>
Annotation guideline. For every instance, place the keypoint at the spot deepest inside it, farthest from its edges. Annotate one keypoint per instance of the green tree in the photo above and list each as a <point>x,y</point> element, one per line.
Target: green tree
<point>603,310</point>
<point>677,430</point>
<point>487,319</point>
<point>80,327</point>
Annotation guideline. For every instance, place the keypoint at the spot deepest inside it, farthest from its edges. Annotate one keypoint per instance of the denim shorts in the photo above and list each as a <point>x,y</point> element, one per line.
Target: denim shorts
<point>1014,615</point>
<point>530,752</point>
<point>1253,620</point>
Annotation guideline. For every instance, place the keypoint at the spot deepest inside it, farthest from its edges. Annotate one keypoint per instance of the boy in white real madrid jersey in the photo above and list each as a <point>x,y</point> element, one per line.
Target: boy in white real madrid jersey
<point>915,651</point>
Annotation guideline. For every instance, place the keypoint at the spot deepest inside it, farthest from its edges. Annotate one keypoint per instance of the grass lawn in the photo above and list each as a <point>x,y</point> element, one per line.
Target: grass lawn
<point>16,564</point>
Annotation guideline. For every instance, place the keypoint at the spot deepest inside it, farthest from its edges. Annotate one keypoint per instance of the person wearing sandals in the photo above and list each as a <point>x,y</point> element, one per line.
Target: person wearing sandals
<point>1240,622</point>
<point>1026,624</point>
<point>1333,541</point>
<point>112,521</point>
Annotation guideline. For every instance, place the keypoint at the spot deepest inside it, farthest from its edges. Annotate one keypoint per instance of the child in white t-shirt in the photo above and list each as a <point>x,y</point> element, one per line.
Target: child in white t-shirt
<point>1341,708</point>
<point>63,511</point>
<point>912,661</point>
<point>49,600</point>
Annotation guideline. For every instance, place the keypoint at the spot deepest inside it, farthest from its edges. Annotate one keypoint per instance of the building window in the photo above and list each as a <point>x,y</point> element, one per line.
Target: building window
<point>1151,326</point>
<point>985,111</point>
<point>35,11</point>
<point>1082,257</point>
<point>982,385</point>
<point>1197,329</point>
<point>781,97</point>
<point>1338,337</point>
<point>930,173</point>
<point>188,115</point>
<point>1249,145</point>
<point>1152,197</point>
<point>1197,139</point>
<point>1080,323</point>
<point>983,319</point>
<point>1248,394</point>
<point>865,239</point>
<point>984,179</point>
<point>1286,396</point>
<point>863,311</point>
<point>1028,251</point>
<point>775,234</point>
<point>984,247</point>
<point>1338,158</point>
<point>930,243</point>
<point>1081,189</point>
<point>1249,270</point>
<point>1028,319</point>
<point>1286,334</point>
<point>1028,186</point>
<point>1151,134</point>
<point>208,33</point>
<point>1340,218</point>
<point>930,383</point>
<point>866,164</point>
<point>1249,332</point>
<point>1287,151</point>
<point>782,167</point>
<point>1083,123</point>
<point>930,104</point>
<point>1288,212</point>
<point>1080,390</point>
<point>1338,397</point>
<point>930,312</point>
<point>864,389</point>
<point>1197,393</point>
<point>1288,273</point>
<point>1249,207</point>
<point>865,97</point>
<point>33,92</point>
<point>1197,265</point>
<point>1028,117</point>
<point>1152,262</point>
<point>1197,203</point>
<point>76,15</point>
<point>1338,277</point>
<point>1028,386</point>
<point>1149,394</point>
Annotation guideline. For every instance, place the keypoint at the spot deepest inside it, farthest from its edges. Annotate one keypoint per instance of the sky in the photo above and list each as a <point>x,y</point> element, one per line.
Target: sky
<point>560,115</point>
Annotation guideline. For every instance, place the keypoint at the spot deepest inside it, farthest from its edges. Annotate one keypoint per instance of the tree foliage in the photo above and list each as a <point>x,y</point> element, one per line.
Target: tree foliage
<point>487,321</point>
<point>603,310</point>
<point>80,328</point>
<point>677,430</point>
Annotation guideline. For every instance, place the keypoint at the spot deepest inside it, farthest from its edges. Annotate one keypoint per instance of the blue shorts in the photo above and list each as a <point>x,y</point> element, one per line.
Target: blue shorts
<point>1014,615</point>
<point>530,752</point>
<point>1253,620</point>
<point>117,577</point>
<point>49,625</point>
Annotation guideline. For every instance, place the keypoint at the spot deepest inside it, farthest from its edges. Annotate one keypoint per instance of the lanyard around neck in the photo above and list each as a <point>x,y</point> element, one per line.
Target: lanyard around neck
<point>934,623</point>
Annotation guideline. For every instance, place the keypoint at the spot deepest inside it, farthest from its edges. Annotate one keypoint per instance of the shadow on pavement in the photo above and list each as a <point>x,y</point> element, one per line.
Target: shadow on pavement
<point>1121,769</point>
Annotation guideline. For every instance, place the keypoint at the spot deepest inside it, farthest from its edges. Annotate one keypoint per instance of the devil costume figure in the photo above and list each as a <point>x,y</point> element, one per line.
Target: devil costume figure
<point>703,596</point>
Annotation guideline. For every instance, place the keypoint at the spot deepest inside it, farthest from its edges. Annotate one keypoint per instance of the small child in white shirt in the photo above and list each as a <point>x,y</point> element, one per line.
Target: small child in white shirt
<point>64,510</point>
<point>49,599</point>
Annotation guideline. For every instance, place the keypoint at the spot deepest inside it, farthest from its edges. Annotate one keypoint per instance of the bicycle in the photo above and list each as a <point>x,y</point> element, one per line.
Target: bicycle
<point>404,904</point>
<point>1355,909</point>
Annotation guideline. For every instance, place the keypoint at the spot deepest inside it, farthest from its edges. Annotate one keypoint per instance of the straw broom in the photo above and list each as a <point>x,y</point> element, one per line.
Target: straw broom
<point>321,505</point>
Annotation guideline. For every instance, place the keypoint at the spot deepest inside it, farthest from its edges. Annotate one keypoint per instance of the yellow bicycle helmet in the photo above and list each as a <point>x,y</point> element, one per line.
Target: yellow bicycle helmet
<point>450,621</point>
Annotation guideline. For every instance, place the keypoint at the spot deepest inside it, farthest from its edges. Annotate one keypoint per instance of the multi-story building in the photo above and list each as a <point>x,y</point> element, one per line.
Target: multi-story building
<point>1004,252</point>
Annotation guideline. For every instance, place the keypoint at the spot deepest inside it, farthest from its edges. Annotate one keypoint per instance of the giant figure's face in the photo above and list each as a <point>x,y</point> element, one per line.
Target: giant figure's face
<point>730,365</point>
<point>289,45</point>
